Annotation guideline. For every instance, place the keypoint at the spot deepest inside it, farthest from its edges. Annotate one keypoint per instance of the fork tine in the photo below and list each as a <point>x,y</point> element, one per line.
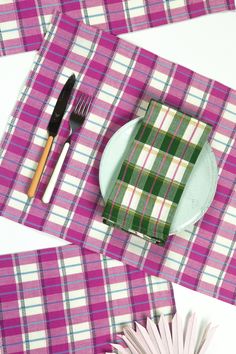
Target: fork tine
<point>83,105</point>
<point>88,105</point>
<point>85,108</point>
<point>78,104</point>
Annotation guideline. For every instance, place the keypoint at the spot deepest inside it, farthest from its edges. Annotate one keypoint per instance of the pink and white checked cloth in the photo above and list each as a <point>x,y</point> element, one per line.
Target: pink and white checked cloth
<point>122,78</point>
<point>66,300</point>
<point>23,22</point>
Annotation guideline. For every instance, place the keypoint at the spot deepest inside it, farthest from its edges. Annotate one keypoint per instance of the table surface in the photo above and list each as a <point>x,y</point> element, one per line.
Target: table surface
<point>206,45</point>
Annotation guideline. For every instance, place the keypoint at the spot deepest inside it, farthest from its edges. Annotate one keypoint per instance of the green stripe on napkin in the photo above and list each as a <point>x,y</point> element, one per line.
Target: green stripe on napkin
<point>154,172</point>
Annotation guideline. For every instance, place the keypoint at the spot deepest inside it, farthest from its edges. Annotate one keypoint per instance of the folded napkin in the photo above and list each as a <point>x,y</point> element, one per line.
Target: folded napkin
<point>66,300</point>
<point>122,78</point>
<point>154,172</point>
<point>23,23</point>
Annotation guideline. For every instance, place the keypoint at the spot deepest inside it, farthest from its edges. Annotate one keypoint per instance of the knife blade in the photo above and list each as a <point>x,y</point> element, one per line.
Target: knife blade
<point>53,128</point>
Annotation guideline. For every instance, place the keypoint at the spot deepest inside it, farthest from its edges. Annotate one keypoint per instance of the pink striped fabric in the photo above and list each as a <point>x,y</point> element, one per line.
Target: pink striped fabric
<point>24,22</point>
<point>122,78</point>
<point>67,300</point>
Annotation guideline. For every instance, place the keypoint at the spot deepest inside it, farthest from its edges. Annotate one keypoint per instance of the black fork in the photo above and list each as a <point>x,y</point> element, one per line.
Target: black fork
<point>78,115</point>
<point>77,118</point>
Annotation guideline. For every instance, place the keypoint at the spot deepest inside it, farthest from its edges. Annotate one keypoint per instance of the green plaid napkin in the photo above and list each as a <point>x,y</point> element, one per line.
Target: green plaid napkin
<point>154,172</point>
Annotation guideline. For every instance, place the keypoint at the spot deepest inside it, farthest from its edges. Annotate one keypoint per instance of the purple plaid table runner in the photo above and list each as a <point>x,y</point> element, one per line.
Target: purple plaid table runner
<point>23,22</point>
<point>66,300</point>
<point>122,78</point>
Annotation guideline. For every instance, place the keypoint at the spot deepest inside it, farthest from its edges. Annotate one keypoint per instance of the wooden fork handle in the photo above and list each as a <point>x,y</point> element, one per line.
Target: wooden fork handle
<point>39,171</point>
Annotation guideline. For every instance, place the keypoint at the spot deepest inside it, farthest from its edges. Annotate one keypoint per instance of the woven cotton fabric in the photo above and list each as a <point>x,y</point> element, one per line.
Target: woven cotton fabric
<point>122,78</point>
<point>24,22</point>
<point>66,300</point>
<point>154,172</point>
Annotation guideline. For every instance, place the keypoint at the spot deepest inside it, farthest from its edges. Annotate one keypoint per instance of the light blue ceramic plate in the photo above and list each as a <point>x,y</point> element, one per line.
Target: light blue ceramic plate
<point>198,193</point>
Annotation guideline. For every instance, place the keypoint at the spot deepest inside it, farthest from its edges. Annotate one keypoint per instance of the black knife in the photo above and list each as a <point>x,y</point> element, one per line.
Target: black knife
<point>52,129</point>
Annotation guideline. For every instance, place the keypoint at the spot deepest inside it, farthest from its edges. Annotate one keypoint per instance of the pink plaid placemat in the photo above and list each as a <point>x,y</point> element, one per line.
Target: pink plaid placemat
<point>66,300</point>
<point>23,22</point>
<point>122,78</point>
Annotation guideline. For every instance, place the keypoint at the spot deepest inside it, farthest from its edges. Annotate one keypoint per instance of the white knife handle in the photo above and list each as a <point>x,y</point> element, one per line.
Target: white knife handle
<point>54,177</point>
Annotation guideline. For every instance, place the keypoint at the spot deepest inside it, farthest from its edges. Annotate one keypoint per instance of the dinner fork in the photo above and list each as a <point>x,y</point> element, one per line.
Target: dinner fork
<point>77,118</point>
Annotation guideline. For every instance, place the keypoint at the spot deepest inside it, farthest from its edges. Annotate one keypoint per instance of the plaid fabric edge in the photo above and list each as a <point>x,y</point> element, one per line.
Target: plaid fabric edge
<point>23,24</point>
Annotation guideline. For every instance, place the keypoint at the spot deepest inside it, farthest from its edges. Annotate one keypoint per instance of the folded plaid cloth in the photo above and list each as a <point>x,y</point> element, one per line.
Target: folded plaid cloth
<point>154,172</point>
<point>71,300</point>
<point>122,78</point>
<point>23,23</point>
